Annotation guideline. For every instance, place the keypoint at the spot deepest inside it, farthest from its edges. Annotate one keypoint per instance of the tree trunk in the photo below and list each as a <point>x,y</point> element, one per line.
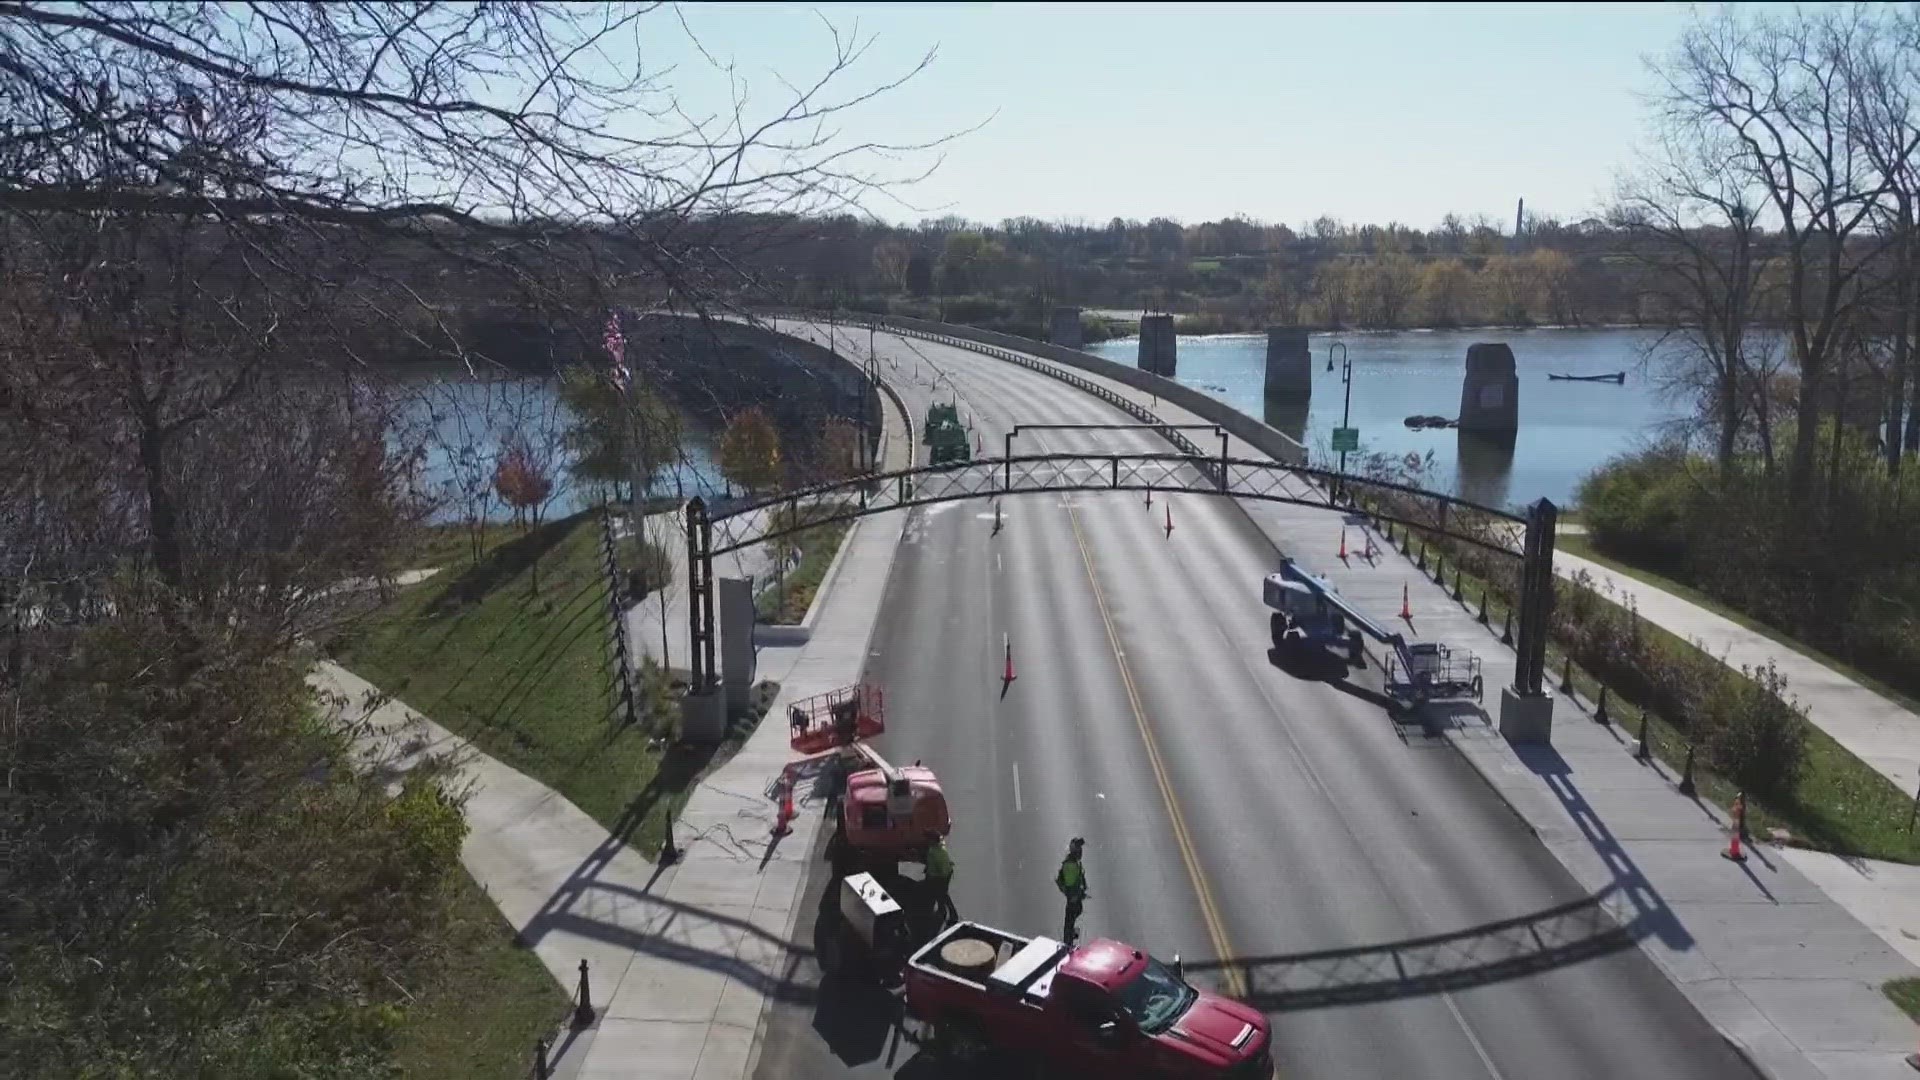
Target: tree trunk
<point>163,518</point>
<point>1806,436</point>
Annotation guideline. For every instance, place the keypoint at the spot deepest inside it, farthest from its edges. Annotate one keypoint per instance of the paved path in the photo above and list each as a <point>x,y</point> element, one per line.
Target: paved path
<point>1777,965</point>
<point>1873,728</point>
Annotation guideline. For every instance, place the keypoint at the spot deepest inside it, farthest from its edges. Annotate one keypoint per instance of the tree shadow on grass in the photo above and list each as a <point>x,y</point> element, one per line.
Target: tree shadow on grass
<point>501,564</point>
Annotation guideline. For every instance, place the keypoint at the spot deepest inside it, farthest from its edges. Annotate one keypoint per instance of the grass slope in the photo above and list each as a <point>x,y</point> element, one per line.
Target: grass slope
<point>486,1001</point>
<point>528,676</point>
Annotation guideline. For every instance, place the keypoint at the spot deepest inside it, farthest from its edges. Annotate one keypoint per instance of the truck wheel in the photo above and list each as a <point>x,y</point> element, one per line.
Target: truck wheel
<point>960,1037</point>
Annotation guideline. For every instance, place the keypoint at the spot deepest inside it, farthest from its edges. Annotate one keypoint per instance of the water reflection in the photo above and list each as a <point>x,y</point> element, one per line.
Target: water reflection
<point>460,424</point>
<point>1483,470</point>
<point>1288,415</point>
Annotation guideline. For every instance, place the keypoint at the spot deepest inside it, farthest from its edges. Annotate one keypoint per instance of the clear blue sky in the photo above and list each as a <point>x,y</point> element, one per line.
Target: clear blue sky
<point>1370,113</point>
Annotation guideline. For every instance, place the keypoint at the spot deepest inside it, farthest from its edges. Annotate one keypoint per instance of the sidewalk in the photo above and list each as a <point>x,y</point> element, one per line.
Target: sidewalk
<point>1776,964</point>
<point>1872,728</point>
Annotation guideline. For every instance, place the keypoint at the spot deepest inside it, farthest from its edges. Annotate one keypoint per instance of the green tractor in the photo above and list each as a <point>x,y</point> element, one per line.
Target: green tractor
<point>946,439</point>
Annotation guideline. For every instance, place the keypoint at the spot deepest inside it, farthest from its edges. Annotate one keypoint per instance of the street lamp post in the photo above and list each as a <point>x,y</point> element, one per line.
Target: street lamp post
<point>1346,408</point>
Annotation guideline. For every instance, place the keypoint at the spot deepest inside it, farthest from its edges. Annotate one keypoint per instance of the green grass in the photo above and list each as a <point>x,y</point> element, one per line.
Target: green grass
<point>528,677</point>
<point>450,547</point>
<point>484,1000</point>
<point>1906,994</point>
<point>817,549</point>
<point>1840,805</point>
<point>1583,547</point>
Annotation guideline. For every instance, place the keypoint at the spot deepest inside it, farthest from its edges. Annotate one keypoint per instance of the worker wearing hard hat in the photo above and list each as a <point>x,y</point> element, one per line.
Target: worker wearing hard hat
<point>1072,882</point>
<point>939,878</point>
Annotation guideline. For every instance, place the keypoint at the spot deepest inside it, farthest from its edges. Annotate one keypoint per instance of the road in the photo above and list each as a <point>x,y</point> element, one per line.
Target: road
<point>1230,807</point>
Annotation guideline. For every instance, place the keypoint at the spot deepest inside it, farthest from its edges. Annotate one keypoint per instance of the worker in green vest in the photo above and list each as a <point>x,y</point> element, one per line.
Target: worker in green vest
<point>1072,882</point>
<point>939,878</point>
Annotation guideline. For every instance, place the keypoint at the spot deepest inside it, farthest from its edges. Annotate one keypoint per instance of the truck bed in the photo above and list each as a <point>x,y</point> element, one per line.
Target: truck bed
<point>1022,968</point>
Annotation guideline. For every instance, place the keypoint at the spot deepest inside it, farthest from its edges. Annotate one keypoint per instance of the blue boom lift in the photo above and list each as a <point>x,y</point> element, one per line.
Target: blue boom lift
<point>1309,614</point>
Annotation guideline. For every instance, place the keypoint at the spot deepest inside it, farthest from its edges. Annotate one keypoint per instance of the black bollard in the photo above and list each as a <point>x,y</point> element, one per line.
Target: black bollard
<point>1440,568</point>
<point>541,1070</point>
<point>1459,597</point>
<point>1600,710</point>
<point>669,852</point>
<point>583,1011</point>
<point>1506,629</point>
<point>1645,752</point>
<point>1423,555</point>
<point>1483,607</point>
<point>1686,771</point>
<point>1566,676</point>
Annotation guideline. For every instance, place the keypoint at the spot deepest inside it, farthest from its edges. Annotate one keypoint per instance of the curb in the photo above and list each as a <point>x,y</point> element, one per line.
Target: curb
<point>792,634</point>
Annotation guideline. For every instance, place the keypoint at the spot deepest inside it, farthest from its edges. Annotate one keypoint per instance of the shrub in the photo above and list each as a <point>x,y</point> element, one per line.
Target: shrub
<point>1750,732</point>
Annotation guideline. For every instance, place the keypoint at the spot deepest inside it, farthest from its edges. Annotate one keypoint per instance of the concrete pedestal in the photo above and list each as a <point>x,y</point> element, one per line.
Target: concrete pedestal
<point>1526,719</point>
<point>1157,345</point>
<point>737,655</point>
<point>703,717</point>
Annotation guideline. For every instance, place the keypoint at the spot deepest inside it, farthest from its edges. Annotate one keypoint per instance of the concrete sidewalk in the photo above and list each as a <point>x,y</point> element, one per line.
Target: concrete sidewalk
<point>1779,967</point>
<point>681,959</point>
<point>1873,728</point>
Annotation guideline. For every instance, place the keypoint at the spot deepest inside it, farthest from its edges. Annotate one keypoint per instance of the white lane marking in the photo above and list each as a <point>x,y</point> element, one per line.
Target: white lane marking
<point>1016,788</point>
<point>1474,1040</point>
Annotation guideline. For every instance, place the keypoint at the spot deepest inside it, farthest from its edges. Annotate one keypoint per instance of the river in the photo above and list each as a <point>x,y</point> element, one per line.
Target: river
<point>1566,428</point>
<point>461,422</point>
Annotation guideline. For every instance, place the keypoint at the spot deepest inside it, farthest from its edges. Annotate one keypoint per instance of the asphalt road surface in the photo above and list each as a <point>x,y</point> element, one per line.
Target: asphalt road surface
<point>1376,899</point>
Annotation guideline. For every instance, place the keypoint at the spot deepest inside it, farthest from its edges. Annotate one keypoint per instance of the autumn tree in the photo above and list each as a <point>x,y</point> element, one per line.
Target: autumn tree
<point>1444,288</point>
<point>750,451</point>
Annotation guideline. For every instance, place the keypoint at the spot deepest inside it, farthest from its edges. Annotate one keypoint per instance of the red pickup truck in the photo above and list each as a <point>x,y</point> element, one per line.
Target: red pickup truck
<point>1103,1009</point>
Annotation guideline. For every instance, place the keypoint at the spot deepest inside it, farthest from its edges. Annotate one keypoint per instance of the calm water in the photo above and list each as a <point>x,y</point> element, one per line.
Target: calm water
<point>1566,428</point>
<point>462,423</point>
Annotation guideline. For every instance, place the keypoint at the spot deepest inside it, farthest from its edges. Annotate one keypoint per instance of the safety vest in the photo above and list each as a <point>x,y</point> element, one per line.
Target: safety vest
<point>939,861</point>
<point>1072,878</point>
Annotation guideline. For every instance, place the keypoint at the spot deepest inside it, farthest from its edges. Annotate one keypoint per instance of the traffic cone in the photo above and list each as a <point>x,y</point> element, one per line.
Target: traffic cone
<point>1169,519</point>
<point>1406,612</point>
<point>1343,545</point>
<point>782,823</point>
<point>1007,676</point>
<point>1733,851</point>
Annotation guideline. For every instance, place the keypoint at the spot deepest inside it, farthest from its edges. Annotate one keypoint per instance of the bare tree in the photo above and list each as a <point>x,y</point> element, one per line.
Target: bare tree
<point>1689,217</point>
<point>1774,89</point>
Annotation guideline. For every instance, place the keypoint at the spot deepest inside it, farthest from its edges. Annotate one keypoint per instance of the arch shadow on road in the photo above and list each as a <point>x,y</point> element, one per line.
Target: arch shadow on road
<point>1491,952</point>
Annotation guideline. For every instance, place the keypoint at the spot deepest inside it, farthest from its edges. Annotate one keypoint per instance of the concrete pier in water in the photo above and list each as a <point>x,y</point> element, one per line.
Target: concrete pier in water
<point>1157,345</point>
<point>1490,394</point>
<point>1063,327</point>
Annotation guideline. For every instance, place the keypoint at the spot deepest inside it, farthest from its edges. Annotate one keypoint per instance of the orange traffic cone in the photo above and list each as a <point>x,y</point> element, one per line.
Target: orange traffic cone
<point>1169,519</point>
<point>1007,676</point>
<point>1733,851</point>
<point>782,823</point>
<point>1406,612</point>
<point>1343,545</point>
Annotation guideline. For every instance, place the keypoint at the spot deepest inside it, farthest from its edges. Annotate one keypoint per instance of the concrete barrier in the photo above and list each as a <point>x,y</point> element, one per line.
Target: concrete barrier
<point>1275,444</point>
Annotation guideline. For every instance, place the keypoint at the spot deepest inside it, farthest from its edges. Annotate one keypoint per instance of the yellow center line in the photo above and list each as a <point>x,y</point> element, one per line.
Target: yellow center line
<point>1216,928</point>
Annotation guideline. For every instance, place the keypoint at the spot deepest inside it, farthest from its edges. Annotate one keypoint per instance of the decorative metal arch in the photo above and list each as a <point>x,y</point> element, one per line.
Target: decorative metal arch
<point>1238,478</point>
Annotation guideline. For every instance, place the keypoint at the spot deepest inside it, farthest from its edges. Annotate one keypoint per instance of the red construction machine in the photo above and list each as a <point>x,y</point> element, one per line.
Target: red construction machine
<point>884,810</point>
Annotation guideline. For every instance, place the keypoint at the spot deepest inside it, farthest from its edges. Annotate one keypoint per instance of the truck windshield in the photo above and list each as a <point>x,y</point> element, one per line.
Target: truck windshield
<point>1157,998</point>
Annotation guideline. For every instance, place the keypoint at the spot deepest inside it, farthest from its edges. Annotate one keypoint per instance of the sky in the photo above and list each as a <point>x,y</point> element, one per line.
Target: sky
<point>1369,113</point>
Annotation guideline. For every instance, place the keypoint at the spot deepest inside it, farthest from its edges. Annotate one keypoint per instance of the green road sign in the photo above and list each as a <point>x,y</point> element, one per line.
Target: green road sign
<point>1346,439</point>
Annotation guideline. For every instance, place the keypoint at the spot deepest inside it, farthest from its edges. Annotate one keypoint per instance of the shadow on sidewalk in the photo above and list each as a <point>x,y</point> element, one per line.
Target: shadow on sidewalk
<point>1653,915</point>
<point>1477,956</point>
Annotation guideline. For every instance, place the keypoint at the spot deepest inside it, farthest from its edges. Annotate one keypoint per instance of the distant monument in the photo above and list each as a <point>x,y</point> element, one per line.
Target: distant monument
<point>1063,328</point>
<point>1157,345</point>
<point>1490,394</point>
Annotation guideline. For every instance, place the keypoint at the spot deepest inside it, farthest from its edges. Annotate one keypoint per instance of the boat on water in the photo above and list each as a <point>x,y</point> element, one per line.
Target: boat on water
<point>1618,378</point>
